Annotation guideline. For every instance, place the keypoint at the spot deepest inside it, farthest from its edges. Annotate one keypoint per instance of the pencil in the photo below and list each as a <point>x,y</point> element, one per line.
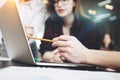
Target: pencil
<point>47,40</point>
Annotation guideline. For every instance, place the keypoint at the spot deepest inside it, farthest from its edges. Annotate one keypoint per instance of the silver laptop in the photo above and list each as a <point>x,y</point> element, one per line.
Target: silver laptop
<point>15,38</point>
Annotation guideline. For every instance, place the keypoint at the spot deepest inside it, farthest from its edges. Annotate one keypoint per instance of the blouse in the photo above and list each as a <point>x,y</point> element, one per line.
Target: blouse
<point>84,30</point>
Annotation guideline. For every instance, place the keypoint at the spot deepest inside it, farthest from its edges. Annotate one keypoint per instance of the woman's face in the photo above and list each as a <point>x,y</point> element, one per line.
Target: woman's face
<point>107,39</point>
<point>64,7</point>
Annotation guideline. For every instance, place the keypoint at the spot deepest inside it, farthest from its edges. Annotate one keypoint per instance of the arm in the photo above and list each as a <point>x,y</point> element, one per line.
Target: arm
<point>104,58</point>
<point>72,50</point>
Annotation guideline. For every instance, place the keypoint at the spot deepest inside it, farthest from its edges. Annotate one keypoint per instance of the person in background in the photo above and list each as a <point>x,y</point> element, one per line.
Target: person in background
<point>72,50</point>
<point>33,15</point>
<point>107,43</point>
<point>67,18</point>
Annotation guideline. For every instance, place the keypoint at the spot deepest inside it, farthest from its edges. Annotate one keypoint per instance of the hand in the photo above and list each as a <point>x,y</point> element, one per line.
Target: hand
<point>71,49</point>
<point>52,56</point>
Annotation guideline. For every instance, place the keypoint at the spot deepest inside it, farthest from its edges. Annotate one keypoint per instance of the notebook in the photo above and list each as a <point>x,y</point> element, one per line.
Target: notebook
<point>15,38</point>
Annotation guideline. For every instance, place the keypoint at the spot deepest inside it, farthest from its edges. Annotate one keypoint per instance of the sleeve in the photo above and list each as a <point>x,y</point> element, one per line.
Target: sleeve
<point>47,46</point>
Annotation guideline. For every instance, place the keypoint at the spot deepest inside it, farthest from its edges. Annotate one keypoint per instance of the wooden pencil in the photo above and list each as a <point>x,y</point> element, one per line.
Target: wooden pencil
<point>47,40</point>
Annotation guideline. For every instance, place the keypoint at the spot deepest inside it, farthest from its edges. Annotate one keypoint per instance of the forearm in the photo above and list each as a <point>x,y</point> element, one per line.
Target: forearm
<point>104,58</point>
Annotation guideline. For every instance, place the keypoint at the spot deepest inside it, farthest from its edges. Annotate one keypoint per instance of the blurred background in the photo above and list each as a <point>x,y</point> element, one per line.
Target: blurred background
<point>105,13</point>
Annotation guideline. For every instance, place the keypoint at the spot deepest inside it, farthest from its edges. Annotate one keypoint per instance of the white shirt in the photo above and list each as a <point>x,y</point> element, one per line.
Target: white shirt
<point>33,13</point>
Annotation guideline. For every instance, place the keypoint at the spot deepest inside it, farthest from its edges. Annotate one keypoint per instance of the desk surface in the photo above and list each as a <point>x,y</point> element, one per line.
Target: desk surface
<point>5,62</point>
<point>18,71</point>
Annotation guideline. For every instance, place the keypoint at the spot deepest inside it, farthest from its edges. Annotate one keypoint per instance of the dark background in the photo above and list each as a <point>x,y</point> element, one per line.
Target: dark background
<point>106,25</point>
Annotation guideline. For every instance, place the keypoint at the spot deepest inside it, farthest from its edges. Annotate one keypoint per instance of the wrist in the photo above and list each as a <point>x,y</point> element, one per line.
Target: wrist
<point>83,56</point>
<point>88,56</point>
<point>92,57</point>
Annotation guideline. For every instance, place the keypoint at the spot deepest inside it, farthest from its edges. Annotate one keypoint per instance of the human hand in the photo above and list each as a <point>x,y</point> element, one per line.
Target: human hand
<point>71,49</point>
<point>52,56</point>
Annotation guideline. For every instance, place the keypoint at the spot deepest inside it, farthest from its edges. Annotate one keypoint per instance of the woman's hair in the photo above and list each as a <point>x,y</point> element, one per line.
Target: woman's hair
<point>77,10</point>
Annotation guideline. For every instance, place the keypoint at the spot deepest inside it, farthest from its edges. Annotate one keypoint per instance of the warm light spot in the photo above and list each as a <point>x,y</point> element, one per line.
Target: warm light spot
<point>45,1</point>
<point>110,7</point>
<point>93,12</point>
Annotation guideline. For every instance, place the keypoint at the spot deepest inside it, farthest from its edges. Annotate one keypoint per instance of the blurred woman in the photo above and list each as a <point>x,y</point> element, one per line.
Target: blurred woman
<point>67,18</point>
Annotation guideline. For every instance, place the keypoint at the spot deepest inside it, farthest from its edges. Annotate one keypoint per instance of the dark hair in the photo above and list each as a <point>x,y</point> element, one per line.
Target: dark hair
<point>77,11</point>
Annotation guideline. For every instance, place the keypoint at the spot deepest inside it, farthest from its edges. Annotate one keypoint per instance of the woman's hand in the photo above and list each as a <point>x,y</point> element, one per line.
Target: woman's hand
<point>52,56</point>
<point>71,49</point>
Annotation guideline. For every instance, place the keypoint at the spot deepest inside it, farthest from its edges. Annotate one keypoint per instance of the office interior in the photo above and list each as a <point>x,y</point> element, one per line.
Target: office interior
<point>106,15</point>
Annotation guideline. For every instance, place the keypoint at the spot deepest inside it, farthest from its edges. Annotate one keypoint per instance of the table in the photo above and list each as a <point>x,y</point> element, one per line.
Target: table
<point>18,71</point>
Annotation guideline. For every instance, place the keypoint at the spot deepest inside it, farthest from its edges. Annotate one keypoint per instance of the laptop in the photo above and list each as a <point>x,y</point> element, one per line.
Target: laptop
<point>16,41</point>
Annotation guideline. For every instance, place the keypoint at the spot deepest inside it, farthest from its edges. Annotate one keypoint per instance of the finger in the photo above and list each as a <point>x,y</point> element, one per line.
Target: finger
<point>63,49</point>
<point>61,57</point>
<point>65,55</point>
<point>56,59</point>
<point>62,38</point>
<point>47,56</point>
<point>60,44</point>
<point>55,51</point>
